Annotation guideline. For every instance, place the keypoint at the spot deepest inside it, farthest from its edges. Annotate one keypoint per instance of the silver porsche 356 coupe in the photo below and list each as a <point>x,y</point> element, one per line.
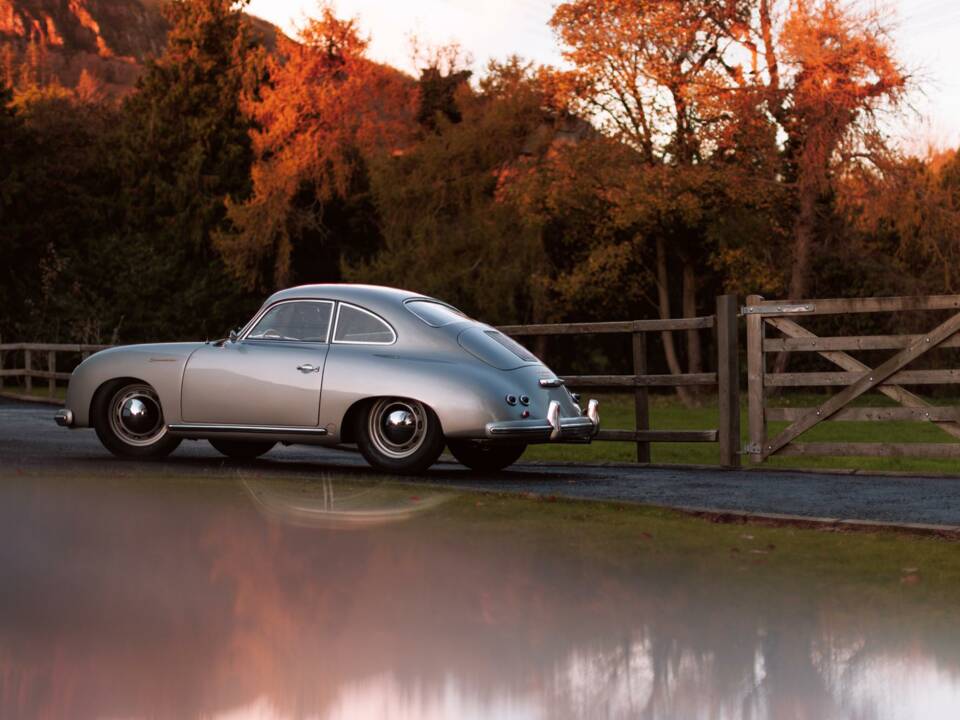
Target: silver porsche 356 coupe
<point>399,374</point>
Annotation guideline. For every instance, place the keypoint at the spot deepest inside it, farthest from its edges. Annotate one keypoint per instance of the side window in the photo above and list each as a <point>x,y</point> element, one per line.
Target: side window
<point>356,325</point>
<point>301,321</point>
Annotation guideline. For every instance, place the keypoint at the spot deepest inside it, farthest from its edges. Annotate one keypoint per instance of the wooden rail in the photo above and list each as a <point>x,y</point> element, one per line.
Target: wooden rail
<point>726,379</point>
<point>28,371</point>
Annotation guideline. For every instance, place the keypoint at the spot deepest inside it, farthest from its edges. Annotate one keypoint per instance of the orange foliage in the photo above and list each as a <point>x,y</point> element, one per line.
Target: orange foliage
<point>326,105</point>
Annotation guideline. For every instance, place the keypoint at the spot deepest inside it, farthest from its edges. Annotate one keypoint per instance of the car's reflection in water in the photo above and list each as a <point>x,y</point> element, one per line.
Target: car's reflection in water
<point>138,599</point>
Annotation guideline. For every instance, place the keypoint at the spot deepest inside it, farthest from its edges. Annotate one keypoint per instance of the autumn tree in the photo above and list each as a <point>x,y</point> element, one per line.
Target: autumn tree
<point>651,75</point>
<point>14,151</point>
<point>185,148</point>
<point>906,211</point>
<point>825,70</point>
<point>325,110</point>
<point>448,222</point>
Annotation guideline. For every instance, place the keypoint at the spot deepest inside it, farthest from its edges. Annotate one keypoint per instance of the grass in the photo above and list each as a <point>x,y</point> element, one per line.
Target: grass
<point>39,390</point>
<point>666,413</point>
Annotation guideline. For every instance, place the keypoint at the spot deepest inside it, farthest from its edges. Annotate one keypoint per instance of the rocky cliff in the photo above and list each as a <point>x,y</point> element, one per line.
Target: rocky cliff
<point>109,39</point>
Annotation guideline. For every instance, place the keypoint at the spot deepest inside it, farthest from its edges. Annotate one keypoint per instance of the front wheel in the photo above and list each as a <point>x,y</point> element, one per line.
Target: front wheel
<point>241,449</point>
<point>485,457</point>
<point>400,436</point>
<point>129,421</point>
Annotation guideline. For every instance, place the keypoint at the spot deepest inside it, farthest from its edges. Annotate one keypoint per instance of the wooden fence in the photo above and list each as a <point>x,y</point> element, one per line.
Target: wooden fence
<point>854,376</point>
<point>40,363</point>
<point>726,380</point>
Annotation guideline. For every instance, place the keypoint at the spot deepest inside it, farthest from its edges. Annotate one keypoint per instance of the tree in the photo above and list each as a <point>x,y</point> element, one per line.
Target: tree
<point>651,74</point>
<point>325,109</point>
<point>185,148</point>
<point>15,149</point>
<point>826,72</point>
<point>449,225</point>
<point>905,210</point>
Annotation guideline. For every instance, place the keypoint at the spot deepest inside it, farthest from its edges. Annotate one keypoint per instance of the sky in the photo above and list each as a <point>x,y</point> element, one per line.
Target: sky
<point>925,33</point>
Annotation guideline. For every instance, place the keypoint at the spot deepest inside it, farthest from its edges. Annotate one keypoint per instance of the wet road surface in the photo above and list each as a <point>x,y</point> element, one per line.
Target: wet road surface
<point>128,596</point>
<point>30,440</point>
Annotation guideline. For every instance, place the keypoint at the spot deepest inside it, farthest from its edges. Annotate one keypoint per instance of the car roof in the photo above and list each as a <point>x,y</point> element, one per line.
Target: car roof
<point>374,297</point>
<point>348,292</point>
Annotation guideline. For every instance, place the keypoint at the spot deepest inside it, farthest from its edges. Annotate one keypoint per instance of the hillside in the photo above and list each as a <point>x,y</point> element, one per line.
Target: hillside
<point>110,39</point>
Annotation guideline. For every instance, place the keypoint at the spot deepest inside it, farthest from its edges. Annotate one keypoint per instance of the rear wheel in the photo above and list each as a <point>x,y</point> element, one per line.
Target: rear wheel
<point>129,421</point>
<point>400,436</point>
<point>485,457</point>
<point>241,449</point>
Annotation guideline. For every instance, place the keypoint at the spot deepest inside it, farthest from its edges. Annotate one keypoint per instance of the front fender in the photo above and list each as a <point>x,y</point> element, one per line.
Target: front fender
<point>160,365</point>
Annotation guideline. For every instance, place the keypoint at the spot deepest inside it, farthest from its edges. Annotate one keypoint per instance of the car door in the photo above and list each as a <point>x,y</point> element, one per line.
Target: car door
<point>271,376</point>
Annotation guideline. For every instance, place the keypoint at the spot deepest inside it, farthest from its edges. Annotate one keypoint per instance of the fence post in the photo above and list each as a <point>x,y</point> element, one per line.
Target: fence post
<point>728,380</point>
<point>27,368</point>
<point>641,396</point>
<point>51,368</point>
<point>755,372</point>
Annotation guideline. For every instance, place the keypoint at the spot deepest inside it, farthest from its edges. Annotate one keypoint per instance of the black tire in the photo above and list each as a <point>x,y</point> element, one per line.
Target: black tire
<point>485,457</point>
<point>405,448</point>
<point>241,449</point>
<point>128,418</point>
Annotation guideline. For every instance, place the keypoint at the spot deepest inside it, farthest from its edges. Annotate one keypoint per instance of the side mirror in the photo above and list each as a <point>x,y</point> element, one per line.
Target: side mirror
<point>233,336</point>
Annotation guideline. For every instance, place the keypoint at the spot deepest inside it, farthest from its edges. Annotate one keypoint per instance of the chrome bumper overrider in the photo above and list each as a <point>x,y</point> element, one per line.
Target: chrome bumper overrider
<point>64,418</point>
<point>553,429</point>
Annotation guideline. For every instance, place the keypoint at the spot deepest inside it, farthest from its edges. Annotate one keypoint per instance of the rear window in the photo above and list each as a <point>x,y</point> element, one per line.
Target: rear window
<point>513,346</point>
<point>495,348</point>
<point>435,314</point>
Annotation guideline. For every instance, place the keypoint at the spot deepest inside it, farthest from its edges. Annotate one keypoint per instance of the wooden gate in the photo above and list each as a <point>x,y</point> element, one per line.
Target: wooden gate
<point>854,376</point>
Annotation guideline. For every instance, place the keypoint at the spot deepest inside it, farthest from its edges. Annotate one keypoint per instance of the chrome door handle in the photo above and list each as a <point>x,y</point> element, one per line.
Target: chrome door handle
<point>307,368</point>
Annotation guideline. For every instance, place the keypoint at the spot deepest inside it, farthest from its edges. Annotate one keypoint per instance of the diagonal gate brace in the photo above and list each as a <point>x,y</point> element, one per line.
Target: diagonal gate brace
<point>895,392</point>
<point>869,380</point>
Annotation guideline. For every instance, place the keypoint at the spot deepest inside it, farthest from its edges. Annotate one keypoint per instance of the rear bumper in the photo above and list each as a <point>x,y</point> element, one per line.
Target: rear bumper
<point>579,429</point>
<point>63,418</point>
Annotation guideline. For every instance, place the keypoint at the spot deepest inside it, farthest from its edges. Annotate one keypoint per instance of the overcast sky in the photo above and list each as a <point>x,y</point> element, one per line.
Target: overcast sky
<point>926,35</point>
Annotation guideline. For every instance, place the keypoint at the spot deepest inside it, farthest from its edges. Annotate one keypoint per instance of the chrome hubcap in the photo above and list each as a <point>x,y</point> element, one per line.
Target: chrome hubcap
<point>397,427</point>
<point>136,417</point>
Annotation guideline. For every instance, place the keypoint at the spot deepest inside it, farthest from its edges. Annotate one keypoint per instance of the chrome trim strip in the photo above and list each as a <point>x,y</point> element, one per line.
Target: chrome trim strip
<point>550,382</point>
<point>256,318</point>
<point>336,324</point>
<point>262,429</point>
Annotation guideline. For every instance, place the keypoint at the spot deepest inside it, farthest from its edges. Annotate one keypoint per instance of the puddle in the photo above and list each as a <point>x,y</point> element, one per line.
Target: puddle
<point>334,599</point>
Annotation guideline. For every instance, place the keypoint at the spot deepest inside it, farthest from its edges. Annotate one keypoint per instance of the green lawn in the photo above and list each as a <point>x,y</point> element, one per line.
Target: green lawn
<point>666,413</point>
<point>39,390</point>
